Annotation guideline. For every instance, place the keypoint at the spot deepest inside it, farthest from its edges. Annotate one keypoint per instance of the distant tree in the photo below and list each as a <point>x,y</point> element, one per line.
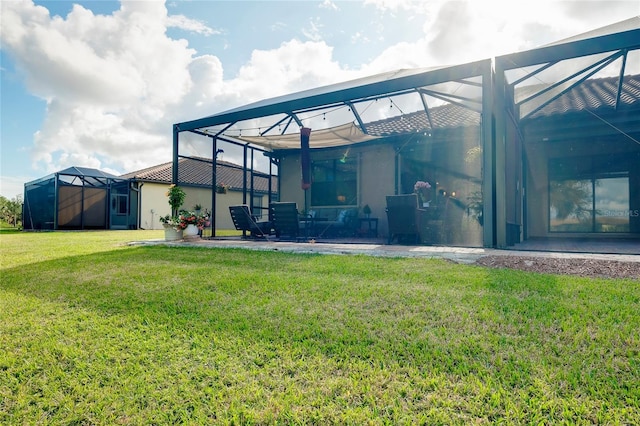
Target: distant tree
<point>571,197</point>
<point>11,210</point>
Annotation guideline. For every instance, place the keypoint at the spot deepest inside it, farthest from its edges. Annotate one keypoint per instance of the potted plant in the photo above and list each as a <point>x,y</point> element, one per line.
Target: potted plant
<point>366,210</point>
<point>172,229</point>
<point>422,188</point>
<point>191,223</point>
<point>171,223</point>
<point>221,188</point>
<point>176,198</point>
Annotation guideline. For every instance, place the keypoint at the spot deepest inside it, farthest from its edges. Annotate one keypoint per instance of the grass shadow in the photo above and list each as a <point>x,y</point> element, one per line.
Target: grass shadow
<point>362,337</point>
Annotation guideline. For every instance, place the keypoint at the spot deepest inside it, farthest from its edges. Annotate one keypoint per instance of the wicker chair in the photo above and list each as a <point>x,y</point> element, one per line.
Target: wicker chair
<point>404,218</point>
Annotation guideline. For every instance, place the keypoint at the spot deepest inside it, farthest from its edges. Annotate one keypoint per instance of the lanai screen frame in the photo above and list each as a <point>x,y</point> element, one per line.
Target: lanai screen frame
<point>626,39</point>
<point>79,177</point>
<point>350,93</point>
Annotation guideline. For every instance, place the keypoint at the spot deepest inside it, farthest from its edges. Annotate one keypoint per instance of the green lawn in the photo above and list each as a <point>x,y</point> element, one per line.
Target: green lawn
<point>93,331</point>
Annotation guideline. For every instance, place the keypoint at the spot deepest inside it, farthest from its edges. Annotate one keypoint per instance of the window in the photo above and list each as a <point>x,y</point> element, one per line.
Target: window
<point>335,182</point>
<point>257,206</point>
<point>589,195</point>
<point>119,204</point>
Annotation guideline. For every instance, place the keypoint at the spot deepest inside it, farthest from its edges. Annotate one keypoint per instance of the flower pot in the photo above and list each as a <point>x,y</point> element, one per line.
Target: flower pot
<point>190,232</point>
<point>172,234</point>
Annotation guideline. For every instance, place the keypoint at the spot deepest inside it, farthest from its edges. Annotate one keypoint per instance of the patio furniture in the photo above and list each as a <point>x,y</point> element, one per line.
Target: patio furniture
<point>341,223</point>
<point>404,218</point>
<point>244,221</point>
<point>371,230</point>
<point>285,219</point>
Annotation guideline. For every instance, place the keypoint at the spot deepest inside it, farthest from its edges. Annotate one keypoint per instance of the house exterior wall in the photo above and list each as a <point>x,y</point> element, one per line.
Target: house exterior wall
<point>290,178</point>
<point>153,205</point>
<point>452,164</point>
<point>376,180</point>
<point>154,198</point>
<point>539,154</point>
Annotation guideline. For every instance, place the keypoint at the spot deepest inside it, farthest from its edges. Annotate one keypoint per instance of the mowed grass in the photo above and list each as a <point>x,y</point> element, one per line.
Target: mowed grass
<point>93,331</point>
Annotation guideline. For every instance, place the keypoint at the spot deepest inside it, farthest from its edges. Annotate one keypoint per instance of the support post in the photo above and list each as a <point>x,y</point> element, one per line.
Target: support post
<point>499,216</point>
<point>174,170</point>
<point>214,182</point>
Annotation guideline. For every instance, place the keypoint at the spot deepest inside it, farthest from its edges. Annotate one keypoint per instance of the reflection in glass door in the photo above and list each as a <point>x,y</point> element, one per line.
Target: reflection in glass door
<point>589,205</point>
<point>612,210</point>
<point>570,205</point>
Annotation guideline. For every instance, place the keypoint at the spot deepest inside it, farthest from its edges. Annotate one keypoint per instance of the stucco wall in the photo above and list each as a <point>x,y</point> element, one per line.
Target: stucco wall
<point>375,178</point>
<point>153,197</point>
<point>538,156</point>
<point>376,181</point>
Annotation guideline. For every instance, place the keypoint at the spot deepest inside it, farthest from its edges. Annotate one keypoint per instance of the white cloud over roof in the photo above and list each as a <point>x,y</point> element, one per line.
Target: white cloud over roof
<point>114,84</point>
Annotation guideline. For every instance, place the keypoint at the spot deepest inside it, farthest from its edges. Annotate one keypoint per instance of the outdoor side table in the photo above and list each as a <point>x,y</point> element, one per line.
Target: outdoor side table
<point>372,226</point>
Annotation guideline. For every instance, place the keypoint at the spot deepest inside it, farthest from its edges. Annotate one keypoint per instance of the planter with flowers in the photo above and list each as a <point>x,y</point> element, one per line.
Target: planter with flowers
<point>172,230</point>
<point>221,188</point>
<point>423,189</point>
<point>192,223</point>
<point>171,223</point>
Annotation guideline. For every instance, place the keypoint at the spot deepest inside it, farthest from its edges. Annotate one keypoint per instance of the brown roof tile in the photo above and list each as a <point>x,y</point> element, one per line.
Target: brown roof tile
<point>446,116</point>
<point>594,94</point>
<point>197,171</point>
<point>591,94</point>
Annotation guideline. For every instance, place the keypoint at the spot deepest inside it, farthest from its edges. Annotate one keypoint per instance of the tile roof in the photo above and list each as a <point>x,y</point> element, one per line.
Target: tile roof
<point>445,116</point>
<point>592,94</point>
<point>197,171</point>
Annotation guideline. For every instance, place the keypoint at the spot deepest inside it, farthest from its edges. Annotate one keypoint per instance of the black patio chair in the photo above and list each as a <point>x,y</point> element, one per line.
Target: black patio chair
<point>285,219</point>
<point>404,218</point>
<point>244,221</point>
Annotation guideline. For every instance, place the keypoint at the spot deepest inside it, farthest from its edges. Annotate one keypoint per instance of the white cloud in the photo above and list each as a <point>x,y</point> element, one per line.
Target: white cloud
<point>328,4</point>
<point>192,25</point>
<point>294,66</point>
<point>112,82</point>
<point>359,38</point>
<point>115,84</point>
<point>313,32</point>
<point>458,31</point>
<point>11,186</point>
<point>394,5</point>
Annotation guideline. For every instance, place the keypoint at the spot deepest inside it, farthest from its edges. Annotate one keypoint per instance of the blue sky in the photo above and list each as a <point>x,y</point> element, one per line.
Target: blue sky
<point>99,83</point>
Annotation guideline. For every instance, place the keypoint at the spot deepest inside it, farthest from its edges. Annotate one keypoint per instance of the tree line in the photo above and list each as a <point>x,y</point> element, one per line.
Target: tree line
<point>11,210</point>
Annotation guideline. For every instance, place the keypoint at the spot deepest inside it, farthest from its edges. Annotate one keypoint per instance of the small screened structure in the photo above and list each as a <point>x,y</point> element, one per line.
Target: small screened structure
<point>78,198</point>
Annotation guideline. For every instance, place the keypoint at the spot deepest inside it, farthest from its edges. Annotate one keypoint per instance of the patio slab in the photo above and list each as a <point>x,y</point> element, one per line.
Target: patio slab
<point>457,254</point>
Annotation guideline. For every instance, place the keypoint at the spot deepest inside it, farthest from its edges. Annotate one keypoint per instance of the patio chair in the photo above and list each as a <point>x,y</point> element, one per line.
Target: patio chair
<point>244,221</point>
<point>285,219</point>
<point>403,216</point>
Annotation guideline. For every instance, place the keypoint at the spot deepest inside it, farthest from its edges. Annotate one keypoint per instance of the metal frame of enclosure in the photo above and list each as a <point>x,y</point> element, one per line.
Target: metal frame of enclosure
<point>78,198</point>
<point>534,85</point>
<point>349,102</point>
<point>506,96</point>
